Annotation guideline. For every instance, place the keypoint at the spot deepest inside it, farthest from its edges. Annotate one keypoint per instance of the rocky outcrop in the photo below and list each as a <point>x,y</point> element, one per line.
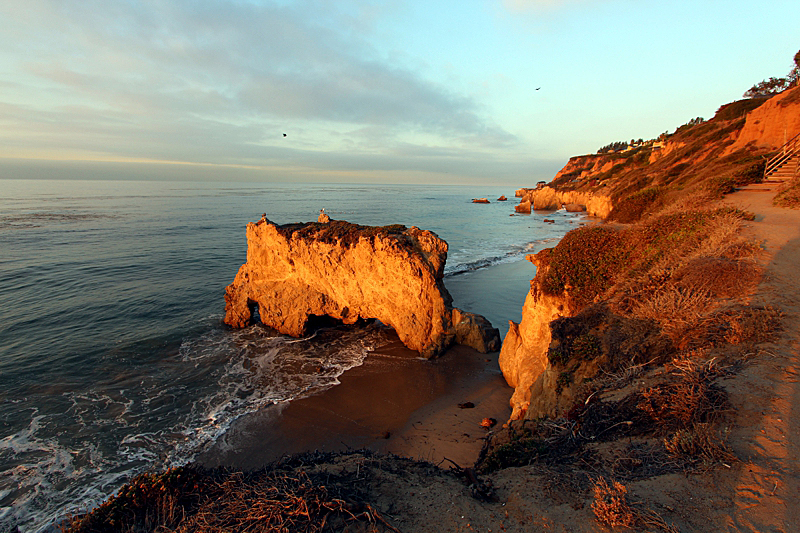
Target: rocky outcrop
<point>350,272</point>
<point>548,198</point>
<point>583,346</point>
<point>480,200</point>
<point>502,198</point>
<point>560,345</point>
<point>772,124</point>
<point>523,357</point>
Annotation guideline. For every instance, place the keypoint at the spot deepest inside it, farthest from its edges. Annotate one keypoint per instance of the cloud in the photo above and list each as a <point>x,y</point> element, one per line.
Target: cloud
<point>215,81</point>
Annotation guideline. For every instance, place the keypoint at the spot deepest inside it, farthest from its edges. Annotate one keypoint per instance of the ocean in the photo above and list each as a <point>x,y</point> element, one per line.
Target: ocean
<point>113,356</point>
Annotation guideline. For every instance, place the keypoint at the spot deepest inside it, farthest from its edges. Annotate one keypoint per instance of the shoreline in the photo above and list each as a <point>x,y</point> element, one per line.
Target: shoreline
<point>396,394</point>
<point>394,403</point>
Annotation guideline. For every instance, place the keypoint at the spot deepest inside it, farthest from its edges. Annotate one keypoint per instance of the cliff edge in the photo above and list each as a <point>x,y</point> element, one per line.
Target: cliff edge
<point>351,272</point>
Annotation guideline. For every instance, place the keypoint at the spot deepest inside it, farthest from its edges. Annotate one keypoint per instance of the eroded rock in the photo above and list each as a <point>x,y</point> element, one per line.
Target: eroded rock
<point>351,272</point>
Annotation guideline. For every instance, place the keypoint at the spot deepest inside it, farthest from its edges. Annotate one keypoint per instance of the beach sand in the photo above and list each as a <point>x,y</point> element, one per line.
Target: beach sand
<point>396,402</point>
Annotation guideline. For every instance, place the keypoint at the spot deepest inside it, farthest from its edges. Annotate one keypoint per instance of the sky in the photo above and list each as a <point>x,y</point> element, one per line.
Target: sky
<point>394,91</point>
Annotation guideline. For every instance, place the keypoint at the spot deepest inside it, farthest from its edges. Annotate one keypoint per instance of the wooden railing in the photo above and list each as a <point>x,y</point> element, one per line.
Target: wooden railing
<point>790,149</point>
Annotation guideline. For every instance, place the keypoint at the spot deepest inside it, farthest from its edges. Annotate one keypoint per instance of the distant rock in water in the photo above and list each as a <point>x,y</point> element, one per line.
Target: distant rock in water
<point>523,207</point>
<point>351,272</point>
<point>480,200</point>
<point>502,198</point>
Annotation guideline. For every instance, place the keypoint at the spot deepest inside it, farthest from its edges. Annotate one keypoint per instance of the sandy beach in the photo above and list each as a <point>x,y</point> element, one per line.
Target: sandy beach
<point>397,402</point>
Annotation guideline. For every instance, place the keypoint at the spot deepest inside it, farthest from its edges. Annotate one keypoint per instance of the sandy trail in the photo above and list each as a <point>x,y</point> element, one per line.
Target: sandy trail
<point>766,395</point>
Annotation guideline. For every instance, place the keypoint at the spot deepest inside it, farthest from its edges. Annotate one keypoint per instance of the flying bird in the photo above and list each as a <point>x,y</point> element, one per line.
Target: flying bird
<point>536,89</point>
<point>284,135</point>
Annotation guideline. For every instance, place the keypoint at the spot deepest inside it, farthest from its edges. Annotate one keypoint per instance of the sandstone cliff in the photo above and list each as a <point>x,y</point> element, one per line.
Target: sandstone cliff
<point>695,166</point>
<point>703,159</point>
<point>351,272</point>
<point>547,198</point>
<point>523,357</point>
<point>771,124</point>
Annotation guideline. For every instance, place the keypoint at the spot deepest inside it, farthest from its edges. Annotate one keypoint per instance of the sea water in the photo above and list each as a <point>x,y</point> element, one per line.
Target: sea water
<point>113,356</point>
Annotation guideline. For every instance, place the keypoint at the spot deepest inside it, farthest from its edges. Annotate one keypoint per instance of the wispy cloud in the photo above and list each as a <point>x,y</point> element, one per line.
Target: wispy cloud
<point>214,82</point>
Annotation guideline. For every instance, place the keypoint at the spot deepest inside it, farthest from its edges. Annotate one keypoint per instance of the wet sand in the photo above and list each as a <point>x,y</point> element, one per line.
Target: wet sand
<point>396,402</point>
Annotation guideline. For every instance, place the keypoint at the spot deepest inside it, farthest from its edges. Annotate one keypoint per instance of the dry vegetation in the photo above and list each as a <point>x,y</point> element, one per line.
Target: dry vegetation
<point>642,181</point>
<point>790,196</point>
<point>287,496</point>
<point>665,302</point>
<point>340,232</point>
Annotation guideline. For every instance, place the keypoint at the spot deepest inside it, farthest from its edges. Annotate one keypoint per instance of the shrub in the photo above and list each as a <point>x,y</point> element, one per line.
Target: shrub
<point>738,109</point>
<point>700,445</point>
<point>789,197</point>
<point>610,505</point>
<point>585,263</point>
<point>338,231</point>
<point>633,207</point>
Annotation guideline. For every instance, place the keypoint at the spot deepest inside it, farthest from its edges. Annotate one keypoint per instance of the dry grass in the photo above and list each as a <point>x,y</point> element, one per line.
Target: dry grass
<point>612,508</point>
<point>610,505</point>
<point>744,324</point>
<point>699,446</point>
<point>689,399</point>
<point>678,311</point>
<point>195,500</point>
<point>720,276</point>
<point>790,196</point>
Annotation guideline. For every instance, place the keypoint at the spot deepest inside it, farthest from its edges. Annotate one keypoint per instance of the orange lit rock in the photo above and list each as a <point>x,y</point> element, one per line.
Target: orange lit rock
<point>523,357</point>
<point>772,124</point>
<point>351,272</point>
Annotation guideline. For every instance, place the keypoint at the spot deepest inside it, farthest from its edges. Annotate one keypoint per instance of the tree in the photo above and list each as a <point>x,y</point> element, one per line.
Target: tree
<point>774,85</point>
<point>794,74</point>
<point>767,87</point>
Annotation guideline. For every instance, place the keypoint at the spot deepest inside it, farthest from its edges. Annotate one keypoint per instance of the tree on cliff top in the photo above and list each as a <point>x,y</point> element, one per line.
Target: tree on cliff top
<point>774,85</point>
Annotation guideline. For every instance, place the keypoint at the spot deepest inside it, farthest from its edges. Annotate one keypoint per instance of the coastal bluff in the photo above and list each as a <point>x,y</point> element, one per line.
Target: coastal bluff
<point>350,272</point>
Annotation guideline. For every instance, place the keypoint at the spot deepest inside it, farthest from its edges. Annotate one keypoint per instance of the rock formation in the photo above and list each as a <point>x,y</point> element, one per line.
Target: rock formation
<point>772,124</point>
<point>547,198</point>
<point>502,198</point>
<point>480,200</point>
<point>560,344</point>
<point>574,208</point>
<point>523,357</point>
<point>351,272</point>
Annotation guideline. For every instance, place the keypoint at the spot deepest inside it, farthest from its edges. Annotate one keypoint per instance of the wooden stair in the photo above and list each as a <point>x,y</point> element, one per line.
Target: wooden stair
<point>786,164</point>
<point>781,168</point>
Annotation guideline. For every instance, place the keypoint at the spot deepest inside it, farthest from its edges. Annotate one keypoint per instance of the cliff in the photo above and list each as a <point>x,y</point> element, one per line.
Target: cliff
<point>350,272</point>
<point>770,125</point>
<point>628,269</point>
<point>548,198</point>
<point>702,160</point>
<point>523,356</point>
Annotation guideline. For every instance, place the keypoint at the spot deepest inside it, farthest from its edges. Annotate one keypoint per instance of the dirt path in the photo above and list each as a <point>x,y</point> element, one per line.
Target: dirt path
<point>766,395</point>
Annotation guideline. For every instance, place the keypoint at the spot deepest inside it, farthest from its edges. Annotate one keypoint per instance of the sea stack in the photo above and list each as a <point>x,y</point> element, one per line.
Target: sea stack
<point>350,272</point>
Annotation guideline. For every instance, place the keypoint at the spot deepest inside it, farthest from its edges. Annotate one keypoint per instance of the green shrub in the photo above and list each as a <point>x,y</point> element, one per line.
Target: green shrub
<point>585,262</point>
<point>631,208</point>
